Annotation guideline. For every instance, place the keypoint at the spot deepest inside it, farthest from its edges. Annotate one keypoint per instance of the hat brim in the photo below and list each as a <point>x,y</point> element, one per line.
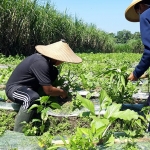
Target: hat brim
<point>130,13</point>
<point>59,51</point>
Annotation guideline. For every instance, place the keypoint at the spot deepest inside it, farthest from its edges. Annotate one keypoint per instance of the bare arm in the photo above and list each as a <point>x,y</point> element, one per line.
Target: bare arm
<point>53,91</point>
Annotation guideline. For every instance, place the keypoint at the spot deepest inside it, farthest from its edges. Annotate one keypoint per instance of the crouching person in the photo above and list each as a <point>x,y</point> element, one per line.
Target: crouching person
<point>36,71</point>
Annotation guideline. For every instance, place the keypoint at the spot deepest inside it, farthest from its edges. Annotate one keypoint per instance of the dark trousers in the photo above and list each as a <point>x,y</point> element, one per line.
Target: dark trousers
<point>24,96</point>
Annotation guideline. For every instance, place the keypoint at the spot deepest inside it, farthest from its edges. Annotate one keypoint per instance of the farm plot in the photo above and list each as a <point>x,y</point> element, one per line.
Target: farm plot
<point>99,88</point>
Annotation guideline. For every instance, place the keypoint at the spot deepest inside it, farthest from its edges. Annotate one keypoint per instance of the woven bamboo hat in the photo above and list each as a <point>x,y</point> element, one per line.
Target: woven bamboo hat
<point>59,51</point>
<point>130,13</point>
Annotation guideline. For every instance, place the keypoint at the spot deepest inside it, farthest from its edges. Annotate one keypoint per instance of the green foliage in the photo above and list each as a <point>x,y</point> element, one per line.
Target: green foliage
<point>127,42</point>
<point>98,72</point>
<point>66,126</point>
<point>80,142</point>
<point>131,145</point>
<point>117,85</point>
<point>11,61</point>
<point>29,129</point>
<point>145,111</point>
<point>3,95</point>
<point>25,24</point>
<point>43,109</point>
<point>99,127</point>
<point>123,36</point>
<point>135,45</point>
<point>121,47</point>
<point>2,130</point>
<point>45,141</point>
<point>6,120</point>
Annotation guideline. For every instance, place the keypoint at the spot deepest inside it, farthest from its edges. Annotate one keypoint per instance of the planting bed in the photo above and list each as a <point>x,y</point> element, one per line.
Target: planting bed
<point>67,108</point>
<point>22,142</point>
<point>13,140</point>
<point>64,121</point>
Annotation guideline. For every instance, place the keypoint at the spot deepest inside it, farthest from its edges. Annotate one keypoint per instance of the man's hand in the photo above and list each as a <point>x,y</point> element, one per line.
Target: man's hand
<point>64,94</point>
<point>132,77</point>
<point>54,91</point>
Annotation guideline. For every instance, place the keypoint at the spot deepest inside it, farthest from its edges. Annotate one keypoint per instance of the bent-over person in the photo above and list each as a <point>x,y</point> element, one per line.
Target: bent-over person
<point>36,71</point>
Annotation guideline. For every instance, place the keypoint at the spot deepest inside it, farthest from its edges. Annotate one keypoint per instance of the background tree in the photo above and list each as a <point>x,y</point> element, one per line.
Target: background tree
<point>135,45</point>
<point>123,36</point>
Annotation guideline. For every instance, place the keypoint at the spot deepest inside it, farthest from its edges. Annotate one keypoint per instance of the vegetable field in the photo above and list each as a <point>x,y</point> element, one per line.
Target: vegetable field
<point>103,77</point>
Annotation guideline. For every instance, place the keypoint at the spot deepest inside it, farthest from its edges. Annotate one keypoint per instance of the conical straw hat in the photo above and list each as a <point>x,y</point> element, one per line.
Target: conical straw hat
<point>59,51</point>
<point>130,12</point>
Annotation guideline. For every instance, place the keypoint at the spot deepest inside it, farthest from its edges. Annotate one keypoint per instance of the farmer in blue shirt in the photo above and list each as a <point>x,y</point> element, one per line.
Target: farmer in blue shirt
<point>138,11</point>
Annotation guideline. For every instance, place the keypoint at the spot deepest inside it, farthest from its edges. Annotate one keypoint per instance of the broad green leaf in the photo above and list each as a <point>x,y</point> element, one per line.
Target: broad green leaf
<point>123,69</point>
<point>88,96</point>
<point>42,127</point>
<point>123,80</point>
<point>130,133</point>
<point>146,109</point>
<point>98,123</point>
<point>148,118</point>
<point>93,128</point>
<point>111,110</point>
<point>3,95</point>
<point>55,105</point>
<point>100,131</point>
<point>138,122</point>
<point>44,99</point>
<point>85,131</point>
<point>87,104</point>
<point>78,132</point>
<point>36,120</point>
<point>125,115</point>
<point>84,81</point>
<point>118,82</point>
<point>110,141</point>
<point>54,147</point>
<point>104,99</point>
<point>84,114</point>
<point>40,108</point>
<point>111,78</point>
<point>33,106</point>
<point>45,110</point>
<point>142,118</point>
<point>44,114</point>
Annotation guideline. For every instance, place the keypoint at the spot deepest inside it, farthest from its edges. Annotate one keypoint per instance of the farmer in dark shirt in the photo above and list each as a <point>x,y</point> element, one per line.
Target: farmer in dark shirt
<point>35,71</point>
<point>138,11</point>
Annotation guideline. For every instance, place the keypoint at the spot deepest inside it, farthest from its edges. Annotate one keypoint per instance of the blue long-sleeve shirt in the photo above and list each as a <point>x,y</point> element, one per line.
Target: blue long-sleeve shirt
<point>145,37</point>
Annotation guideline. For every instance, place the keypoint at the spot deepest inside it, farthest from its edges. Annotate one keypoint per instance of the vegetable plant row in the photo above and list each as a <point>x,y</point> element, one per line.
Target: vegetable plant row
<point>105,74</point>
